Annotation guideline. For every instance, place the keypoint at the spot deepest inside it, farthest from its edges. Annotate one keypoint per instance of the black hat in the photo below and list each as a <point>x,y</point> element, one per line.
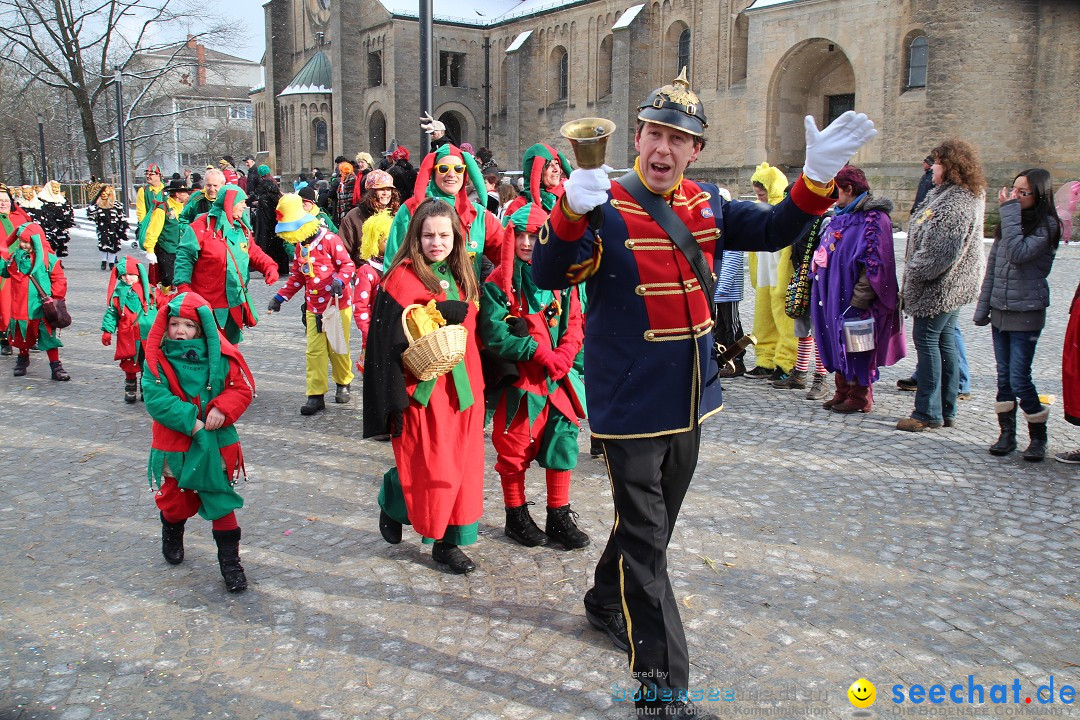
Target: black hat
<point>675,106</point>
<point>307,193</point>
<point>177,185</point>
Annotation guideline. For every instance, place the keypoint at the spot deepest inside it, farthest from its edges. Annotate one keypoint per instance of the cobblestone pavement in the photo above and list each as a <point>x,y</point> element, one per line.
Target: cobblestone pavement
<point>813,549</point>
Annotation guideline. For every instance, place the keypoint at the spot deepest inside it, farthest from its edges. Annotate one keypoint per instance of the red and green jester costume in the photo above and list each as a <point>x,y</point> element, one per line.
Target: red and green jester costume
<point>538,403</point>
<point>9,223</point>
<point>194,469</point>
<point>214,261</point>
<point>27,327</point>
<point>130,311</point>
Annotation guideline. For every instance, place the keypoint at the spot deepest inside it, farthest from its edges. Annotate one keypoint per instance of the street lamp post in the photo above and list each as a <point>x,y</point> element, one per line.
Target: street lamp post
<point>41,140</point>
<point>120,139</point>
<point>427,100</point>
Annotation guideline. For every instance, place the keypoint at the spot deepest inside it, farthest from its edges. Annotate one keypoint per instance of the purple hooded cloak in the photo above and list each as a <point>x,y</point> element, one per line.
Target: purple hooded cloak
<point>851,242</point>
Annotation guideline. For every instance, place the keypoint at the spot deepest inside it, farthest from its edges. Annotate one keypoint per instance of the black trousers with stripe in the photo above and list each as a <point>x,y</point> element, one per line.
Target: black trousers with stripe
<point>649,479</point>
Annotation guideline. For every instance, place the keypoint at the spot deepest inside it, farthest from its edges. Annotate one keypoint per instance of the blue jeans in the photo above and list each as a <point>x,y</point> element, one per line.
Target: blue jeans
<point>939,367</point>
<point>1015,351</point>
<point>965,372</point>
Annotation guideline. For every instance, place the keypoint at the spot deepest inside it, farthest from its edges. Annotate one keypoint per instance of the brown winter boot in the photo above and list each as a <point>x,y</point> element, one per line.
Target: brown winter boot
<point>859,399</point>
<point>841,392</point>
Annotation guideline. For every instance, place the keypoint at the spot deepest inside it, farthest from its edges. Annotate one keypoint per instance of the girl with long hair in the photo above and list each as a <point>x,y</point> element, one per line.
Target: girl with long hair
<point>1013,301</point>
<point>436,426</point>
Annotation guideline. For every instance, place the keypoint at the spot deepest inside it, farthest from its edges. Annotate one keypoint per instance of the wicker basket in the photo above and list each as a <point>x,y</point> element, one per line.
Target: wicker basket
<point>436,353</point>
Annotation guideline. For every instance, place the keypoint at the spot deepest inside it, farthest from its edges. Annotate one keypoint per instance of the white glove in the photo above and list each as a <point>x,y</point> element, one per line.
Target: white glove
<point>586,189</point>
<point>829,150</point>
<point>429,124</point>
<point>151,258</point>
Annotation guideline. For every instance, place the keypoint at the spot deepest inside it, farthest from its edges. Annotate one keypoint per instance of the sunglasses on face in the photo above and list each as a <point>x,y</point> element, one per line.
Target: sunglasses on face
<point>444,169</point>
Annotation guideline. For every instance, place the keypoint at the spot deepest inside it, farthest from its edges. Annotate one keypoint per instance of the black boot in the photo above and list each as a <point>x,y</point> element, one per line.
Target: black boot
<point>1006,442</point>
<point>448,554</point>
<point>228,555</point>
<point>102,264</point>
<point>5,347</point>
<point>58,371</point>
<point>129,391</point>
<point>389,528</point>
<point>521,528</point>
<point>314,404</point>
<point>342,395</point>
<point>562,529</point>
<point>21,363</point>
<point>172,541</point>
<point>1036,449</point>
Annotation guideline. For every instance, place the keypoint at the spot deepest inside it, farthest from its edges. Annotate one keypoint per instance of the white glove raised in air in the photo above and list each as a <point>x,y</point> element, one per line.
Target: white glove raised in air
<point>151,258</point>
<point>829,150</point>
<point>586,189</point>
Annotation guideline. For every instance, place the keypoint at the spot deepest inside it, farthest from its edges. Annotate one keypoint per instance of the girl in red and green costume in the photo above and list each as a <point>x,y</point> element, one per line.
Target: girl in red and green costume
<point>196,385</point>
<point>545,171</point>
<point>215,258</point>
<point>11,217</point>
<point>436,426</point>
<point>130,311</point>
<point>31,260</point>
<point>536,414</point>
<point>442,175</point>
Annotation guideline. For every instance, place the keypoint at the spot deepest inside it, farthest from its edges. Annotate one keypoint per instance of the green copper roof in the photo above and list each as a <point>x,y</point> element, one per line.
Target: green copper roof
<point>315,78</point>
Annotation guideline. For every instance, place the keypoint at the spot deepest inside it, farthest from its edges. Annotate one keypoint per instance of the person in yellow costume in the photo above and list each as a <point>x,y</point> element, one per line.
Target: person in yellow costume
<point>770,273</point>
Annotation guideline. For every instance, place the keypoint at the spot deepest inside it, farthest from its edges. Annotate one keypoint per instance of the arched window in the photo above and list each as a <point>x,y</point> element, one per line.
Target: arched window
<point>683,51</point>
<point>564,74</point>
<point>603,70</point>
<point>322,141</point>
<point>918,55</point>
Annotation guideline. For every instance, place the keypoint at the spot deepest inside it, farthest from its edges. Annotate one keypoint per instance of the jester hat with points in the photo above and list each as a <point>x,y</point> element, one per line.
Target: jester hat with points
<point>529,218</point>
<point>220,213</point>
<point>131,266</point>
<point>425,183</point>
<point>533,163</point>
<point>192,306</point>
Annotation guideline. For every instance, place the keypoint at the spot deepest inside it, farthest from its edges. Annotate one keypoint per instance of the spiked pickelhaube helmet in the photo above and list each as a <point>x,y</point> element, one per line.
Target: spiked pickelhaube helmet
<point>675,106</point>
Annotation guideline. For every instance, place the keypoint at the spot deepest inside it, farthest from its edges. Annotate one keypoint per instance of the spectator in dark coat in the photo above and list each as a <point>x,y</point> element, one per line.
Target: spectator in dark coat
<point>926,182</point>
<point>402,171</point>
<point>266,221</point>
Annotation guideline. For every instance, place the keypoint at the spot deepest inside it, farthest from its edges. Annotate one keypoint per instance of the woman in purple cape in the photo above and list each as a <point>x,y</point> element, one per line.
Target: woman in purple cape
<point>854,271</point>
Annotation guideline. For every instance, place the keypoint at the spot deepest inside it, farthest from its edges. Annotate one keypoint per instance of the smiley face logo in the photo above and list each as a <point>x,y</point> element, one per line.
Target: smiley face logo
<point>862,693</point>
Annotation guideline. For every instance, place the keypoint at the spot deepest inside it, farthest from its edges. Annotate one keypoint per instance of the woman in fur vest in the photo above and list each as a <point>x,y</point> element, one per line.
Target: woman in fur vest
<point>942,270</point>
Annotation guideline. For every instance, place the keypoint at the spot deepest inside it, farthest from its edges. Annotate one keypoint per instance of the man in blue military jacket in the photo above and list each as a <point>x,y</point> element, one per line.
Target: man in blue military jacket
<point>649,367</point>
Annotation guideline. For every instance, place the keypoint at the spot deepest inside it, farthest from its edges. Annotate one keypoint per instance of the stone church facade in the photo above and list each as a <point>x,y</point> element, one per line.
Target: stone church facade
<point>342,76</point>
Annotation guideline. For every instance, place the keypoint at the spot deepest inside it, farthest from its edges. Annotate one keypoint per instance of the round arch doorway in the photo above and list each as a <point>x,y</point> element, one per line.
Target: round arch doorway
<point>456,126</point>
<point>815,78</point>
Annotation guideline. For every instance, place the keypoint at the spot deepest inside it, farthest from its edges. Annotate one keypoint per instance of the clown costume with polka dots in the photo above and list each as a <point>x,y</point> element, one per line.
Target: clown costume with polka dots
<point>321,266</point>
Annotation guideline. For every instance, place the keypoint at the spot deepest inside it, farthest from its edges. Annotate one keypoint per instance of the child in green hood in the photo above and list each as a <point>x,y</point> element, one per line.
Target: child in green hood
<point>196,385</point>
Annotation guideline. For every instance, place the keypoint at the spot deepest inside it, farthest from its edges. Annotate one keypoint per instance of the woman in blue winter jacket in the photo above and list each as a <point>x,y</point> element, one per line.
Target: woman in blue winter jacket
<point>1013,301</point>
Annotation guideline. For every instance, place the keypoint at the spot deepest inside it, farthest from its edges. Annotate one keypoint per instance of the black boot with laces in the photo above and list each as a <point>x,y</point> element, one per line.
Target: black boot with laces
<point>562,529</point>
<point>521,528</point>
